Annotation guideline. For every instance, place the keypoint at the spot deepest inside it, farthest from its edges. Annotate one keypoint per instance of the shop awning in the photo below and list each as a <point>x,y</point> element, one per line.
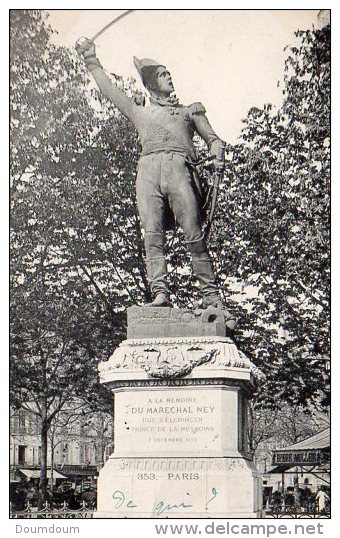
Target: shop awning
<point>312,451</point>
<point>35,473</point>
<point>73,471</point>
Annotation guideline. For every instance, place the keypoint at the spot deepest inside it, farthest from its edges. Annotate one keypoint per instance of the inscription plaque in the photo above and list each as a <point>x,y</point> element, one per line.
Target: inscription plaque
<point>180,421</point>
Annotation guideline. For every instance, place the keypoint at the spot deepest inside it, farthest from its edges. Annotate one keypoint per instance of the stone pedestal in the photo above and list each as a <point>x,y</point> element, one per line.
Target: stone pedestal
<point>180,421</point>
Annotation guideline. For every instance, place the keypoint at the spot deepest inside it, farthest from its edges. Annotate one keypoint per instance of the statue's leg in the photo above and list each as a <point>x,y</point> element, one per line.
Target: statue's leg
<point>156,268</point>
<point>185,206</point>
<point>150,202</point>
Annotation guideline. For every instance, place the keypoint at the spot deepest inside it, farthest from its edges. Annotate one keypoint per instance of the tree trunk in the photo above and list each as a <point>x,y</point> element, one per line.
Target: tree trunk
<point>43,463</point>
<point>52,461</point>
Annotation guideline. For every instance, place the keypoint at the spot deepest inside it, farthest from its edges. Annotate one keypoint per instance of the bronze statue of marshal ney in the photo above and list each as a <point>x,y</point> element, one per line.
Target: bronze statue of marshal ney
<point>165,177</point>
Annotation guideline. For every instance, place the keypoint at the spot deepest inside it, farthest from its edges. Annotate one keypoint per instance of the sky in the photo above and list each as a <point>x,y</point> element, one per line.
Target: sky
<point>230,60</point>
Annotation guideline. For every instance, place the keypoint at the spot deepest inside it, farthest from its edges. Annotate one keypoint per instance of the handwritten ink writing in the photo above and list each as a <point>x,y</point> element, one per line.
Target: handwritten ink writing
<point>119,497</point>
<point>214,494</point>
<point>162,506</point>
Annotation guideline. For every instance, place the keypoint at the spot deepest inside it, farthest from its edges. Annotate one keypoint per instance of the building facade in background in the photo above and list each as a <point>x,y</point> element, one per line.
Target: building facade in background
<point>79,444</point>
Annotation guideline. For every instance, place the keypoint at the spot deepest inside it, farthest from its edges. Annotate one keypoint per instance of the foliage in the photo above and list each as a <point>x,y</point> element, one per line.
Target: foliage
<point>274,205</point>
<point>77,256</point>
<point>59,328</point>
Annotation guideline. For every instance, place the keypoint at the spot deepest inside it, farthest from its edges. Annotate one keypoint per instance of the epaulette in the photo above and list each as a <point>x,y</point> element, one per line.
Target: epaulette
<point>197,108</point>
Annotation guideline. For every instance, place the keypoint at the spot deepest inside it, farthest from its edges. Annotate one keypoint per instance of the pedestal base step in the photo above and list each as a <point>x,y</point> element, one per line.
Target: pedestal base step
<point>151,322</point>
<point>178,488</point>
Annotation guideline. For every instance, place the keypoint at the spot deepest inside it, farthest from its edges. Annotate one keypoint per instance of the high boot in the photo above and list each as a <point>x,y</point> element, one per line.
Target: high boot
<point>204,272</point>
<point>160,300</point>
<point>156,268</point>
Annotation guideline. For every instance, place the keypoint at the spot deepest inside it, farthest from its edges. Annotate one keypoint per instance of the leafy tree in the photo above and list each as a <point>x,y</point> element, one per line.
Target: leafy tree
<point>55,319</point>
<point>273,236</point>
<point>77,246</point>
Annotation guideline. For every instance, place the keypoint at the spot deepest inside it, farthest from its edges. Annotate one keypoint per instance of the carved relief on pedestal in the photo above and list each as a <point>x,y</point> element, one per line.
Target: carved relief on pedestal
<point>172,361</point>
<point>176,357</point>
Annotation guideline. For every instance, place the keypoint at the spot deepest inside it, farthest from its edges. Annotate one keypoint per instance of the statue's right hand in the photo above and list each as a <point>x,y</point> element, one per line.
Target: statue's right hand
<point>85,47</point>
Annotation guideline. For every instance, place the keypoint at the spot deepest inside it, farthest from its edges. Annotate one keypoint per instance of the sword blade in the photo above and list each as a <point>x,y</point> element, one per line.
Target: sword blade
<point>107,26</point>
